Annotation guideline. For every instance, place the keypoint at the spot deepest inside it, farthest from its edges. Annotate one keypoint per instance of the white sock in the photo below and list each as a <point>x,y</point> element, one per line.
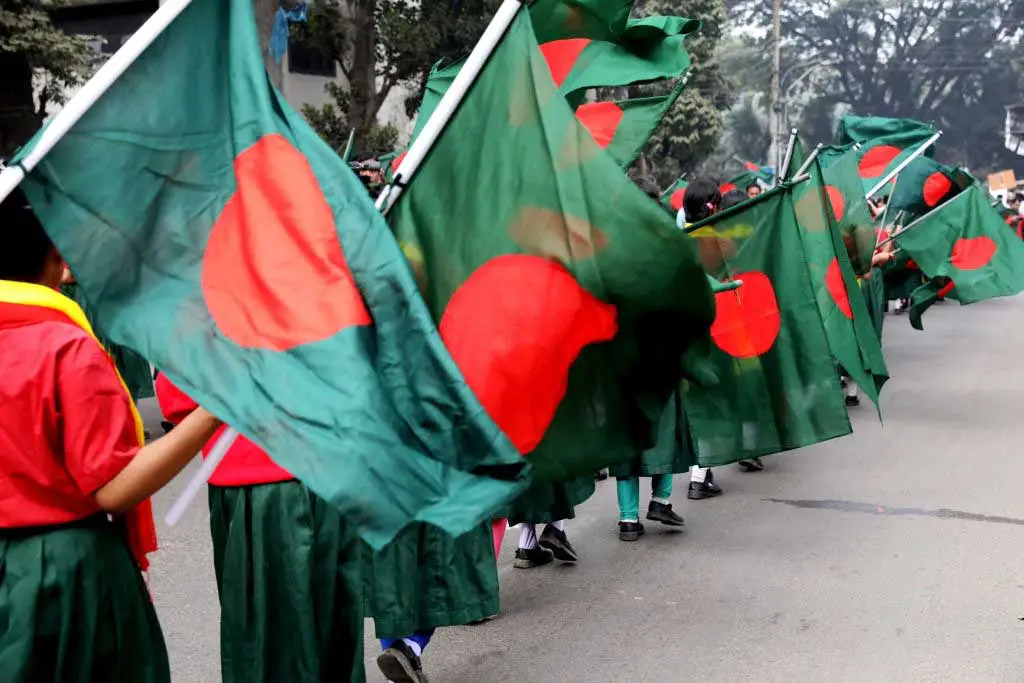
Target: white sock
<point>560,525</point>
<point>414,646</point>
<point>634,521</point>
<point>663,501</point>
<point>698,474</point>
<point>527,536</point>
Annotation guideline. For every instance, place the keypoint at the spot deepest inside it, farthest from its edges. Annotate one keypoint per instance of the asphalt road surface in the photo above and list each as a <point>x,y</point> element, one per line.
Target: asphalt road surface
<point>895,554</point>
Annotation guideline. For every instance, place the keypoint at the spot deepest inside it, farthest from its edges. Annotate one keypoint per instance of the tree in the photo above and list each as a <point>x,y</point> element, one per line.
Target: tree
<point>945,61</point>
<point>693,127</point>
<point>34,52</point>
<point>379,44</point>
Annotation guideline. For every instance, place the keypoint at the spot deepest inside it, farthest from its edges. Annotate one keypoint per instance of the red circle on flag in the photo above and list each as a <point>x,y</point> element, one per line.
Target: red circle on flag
<point>727,187</point>
<point>397,161</point>
<point>602,120</point>
<point>514,328</point>
<point>747,319</point>
<point>835,197</point>
<point>876,160</point>
<point>972,253</point>
<point>561,56</point>
<point>676,200</point>
<point>274,275</point>
<point>837,288</point>
<point>936,187</point>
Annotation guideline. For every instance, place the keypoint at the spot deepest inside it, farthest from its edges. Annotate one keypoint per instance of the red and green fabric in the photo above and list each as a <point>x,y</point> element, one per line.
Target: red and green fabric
<point>623,128</point>
<point>673,196</point>
<point>841,177</point>
<point>967,241</point>
<point>594,19</point>
<point>232,248</point>
<point>649,49</point>
<point>820,210</point>
<point>884,144</point>
<point>566,296</point>
<point>778,389</point>
<point>925,184</point>
<point>756,176</point>
<point>390,162</point>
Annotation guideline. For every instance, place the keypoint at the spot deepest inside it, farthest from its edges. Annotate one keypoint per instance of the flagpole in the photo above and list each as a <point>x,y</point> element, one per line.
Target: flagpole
<point>781,173</point>
<point>903,164</point>
<point>349,146</point>
<point>918,221</point>
<point>223,444</point>
<point>94,88</point>
<point>488,42</point>
<point>808,161</point>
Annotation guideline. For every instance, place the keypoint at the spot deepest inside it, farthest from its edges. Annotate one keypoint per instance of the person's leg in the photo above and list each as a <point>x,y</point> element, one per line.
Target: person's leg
<point>702,484</point>
<point>660,509</point>
<point>628,492</point>
<point>554,539</point>
<point>401,659</point>
<point>529,554</point>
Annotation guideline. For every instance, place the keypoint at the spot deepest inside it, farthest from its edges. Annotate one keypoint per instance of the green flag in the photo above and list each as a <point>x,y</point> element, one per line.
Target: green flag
<point>230,246</point>
<point>820,210</point>
<point>575,293</point>
<point>796,160</point>
<point>840,175</point>
<point>925,184</point>
<point>623,128</point>
<point>760,177</point>
<point>884,144</point>
<point>778,389</point>
<point>967,241</point>
<point>594,19</point>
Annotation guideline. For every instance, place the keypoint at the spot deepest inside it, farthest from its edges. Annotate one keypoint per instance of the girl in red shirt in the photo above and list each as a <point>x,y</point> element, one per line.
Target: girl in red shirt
<point>75,479</point>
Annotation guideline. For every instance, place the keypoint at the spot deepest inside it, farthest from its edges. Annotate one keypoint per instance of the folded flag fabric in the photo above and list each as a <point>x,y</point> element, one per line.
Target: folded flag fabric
<point>231,247</point>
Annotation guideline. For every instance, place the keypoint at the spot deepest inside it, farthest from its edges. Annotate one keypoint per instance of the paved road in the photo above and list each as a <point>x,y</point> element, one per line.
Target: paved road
<point>894,554</point>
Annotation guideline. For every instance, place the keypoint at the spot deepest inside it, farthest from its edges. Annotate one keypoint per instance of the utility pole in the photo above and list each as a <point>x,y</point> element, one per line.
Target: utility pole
<point>775,105</point>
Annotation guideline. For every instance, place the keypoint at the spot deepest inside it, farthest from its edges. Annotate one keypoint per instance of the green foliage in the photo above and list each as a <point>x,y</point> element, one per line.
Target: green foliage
<point>693,127</point>
<point>330,121</point>
<point>30,45</point>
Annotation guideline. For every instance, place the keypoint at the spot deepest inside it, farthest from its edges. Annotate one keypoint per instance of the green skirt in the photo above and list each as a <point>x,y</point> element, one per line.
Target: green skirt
<point>288,574</point>
<point>426,579</point>
<point>544,503</point>
<point>74,608</point>
<point>874,294</point>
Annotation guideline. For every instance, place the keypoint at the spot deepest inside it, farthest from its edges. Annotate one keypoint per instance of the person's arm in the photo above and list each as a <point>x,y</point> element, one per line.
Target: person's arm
<point>157,463</point>
<point>101,450</point>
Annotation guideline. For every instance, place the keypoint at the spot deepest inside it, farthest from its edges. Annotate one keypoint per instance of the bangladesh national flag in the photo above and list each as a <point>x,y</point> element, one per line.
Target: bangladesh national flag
<point>925,184</point>
<point>820,211</point>
<point>213,232</point>
<point>673,196</point>
<point>566,295</point>
<point>884,143</point>
<point>758,176</point>
<point>594,19</point>
<point>967,241</point>
<point>778,389</point>
<point>840,175</point>
<point>623,128</point>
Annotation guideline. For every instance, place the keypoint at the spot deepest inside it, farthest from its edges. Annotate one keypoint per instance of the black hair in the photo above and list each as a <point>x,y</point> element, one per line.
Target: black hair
<point>757,185</point>
<point>703,197</point>
<point>649,187</point>
<point>24,245</point>
<point>732,198</point>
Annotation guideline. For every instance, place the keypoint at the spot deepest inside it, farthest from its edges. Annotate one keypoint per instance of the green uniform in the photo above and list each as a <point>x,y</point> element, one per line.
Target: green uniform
<point>289,576</point>
<point>74,608</point>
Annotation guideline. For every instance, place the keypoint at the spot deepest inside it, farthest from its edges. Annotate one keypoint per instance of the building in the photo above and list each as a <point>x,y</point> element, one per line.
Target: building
<point>305,72</point>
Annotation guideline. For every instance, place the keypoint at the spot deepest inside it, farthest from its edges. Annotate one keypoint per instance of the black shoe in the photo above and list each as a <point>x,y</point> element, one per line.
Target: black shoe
<point>399,664</point>
<point>754,465</point>
<point>557,542</point>
<point>601,475</point>
<point>630,531</point>
<point>534,557</point>
<point>852,401</point>
<point>705,489</point>
<point>662,512</point>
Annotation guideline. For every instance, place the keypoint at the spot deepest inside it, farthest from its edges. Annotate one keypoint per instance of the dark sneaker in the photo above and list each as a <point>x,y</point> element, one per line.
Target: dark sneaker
<point>852,401</point>
<point>534,557</point>
<point>704,489</point>
<point>754,465</point>
<point>662,512</point>
<point>399,664</point>
<point>557,542</point>
<point>630,531</point>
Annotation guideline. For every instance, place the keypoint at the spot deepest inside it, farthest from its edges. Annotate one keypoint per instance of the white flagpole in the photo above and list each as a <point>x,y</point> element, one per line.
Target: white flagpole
<point>917,222</point>
<point>780,173</point>
<point>906,162</point>
<point>808,161</point>
<point>503,18</point>
<point>202,476</point>
<point>62,122</point>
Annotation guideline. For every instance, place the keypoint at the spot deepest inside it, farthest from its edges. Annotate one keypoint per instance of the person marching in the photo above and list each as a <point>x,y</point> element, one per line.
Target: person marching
<point>75,520</point>
<point>288,568</point>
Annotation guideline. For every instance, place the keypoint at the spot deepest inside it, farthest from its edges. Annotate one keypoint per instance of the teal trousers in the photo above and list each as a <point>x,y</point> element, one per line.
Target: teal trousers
<point>628,491</point>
